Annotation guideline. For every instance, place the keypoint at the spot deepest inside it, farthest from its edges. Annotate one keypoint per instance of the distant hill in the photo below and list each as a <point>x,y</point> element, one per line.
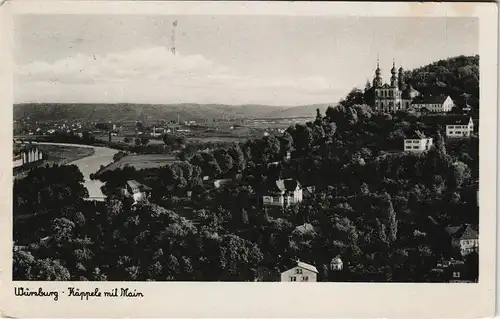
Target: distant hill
<point>124,112</point>
<point>299,111</point>
<point>132,112</point>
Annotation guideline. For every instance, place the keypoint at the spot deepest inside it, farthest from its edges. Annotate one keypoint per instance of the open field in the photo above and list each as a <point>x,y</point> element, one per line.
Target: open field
<point>216,139</point>
<point>120,139</point>
<point>143,161</point>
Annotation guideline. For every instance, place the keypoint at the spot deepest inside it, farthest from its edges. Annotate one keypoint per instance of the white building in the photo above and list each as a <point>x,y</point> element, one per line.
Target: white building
<point>284,193</point>
<point>462,127</point>
<point>418,142</point>
<point>302,272</point>
<point>136,191</point>
<point>464,238</point>
<point>336,264</point>
<point>433,103</point>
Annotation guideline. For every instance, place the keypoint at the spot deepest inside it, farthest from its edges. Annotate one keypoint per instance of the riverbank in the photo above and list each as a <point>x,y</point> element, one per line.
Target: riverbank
<point>54,155</point>
<point>96,158</point>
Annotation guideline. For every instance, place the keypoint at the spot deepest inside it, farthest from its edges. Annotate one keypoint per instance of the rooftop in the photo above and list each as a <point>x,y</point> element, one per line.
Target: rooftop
<point>307,266</point>
<point>284,185</point>
<point>462,120</point>
<point>305,228</point>
<point>430,99</point>
<point>410,92</point>
<point>416,135</point>
<point>137,187</point>
<point>463,232</point>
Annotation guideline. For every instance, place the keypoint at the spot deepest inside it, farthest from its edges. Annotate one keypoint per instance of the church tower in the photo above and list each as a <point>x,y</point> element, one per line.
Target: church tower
<point>377,81</point>
<point>401,80</point>
<point>394,79</point>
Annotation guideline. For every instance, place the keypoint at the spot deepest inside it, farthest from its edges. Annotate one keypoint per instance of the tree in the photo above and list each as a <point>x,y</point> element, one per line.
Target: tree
<point>392,223</point>
<point>224,160</point>
<point>460,174</point>
<point>356,96</point>
<point>319,117</point>
<point>244,217</point>
<point>440,144</point>
<point>144,140</point>
<point>118,156</point>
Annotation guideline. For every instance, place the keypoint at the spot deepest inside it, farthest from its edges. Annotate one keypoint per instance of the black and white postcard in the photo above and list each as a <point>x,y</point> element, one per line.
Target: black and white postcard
<point>244,159</point>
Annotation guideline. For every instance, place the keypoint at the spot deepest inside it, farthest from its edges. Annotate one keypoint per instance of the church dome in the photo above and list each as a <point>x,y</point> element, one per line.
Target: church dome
<point>410,93</point>
<point>401,70</point>
<point>393,70</point>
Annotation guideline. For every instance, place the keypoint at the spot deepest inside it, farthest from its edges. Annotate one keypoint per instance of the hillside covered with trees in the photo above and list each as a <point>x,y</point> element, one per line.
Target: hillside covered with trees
<point>383,213</point>
<point>382,210</point>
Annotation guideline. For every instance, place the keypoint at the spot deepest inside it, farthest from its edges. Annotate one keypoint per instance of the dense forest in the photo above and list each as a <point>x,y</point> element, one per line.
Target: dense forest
<point>381,210</point>
<point>457,77</point>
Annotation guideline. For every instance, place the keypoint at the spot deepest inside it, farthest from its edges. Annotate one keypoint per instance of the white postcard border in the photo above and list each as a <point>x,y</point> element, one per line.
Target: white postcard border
<point>292,300</point>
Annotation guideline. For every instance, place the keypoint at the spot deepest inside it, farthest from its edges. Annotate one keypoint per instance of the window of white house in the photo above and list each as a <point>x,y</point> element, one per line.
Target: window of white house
<point>293,278</point>
<point>305,278</point>
<point>456,274</point>
<point>298,271</point>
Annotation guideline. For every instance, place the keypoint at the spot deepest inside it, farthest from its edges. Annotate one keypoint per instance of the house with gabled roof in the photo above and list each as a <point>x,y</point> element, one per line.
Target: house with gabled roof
<point>283,193</point>
<point>301,272</point>
<point>417,142</point>
<point>464,238</point>
<point>433,103</point>
<point>135,190</point>
<point>218,183</point>
<point>460,127</point>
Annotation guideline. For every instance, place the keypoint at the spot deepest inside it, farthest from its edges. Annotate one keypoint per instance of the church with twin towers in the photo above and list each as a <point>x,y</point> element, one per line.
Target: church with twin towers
<point>394,95</point>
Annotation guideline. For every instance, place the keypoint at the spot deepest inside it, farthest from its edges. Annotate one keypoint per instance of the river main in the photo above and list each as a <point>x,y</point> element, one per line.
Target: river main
<point>90,165</point>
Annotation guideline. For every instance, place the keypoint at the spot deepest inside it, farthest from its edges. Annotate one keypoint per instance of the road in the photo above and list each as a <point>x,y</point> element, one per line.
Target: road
<point>90,165</point>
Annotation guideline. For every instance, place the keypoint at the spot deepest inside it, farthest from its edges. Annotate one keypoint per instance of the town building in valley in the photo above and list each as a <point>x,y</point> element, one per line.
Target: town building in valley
<point>417,142</point>
<point>136,191</point>
<point>302,272</point>
<point>462,127</point>
<point>283,193</point>
<point>433,103</point>
<point>464,238</point>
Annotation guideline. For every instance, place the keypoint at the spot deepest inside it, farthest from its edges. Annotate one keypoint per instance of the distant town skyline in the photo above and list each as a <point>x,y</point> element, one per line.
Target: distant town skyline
<point>271,60</point>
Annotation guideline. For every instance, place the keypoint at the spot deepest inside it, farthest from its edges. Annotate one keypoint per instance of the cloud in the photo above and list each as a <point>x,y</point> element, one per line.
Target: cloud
<point>144,71</point>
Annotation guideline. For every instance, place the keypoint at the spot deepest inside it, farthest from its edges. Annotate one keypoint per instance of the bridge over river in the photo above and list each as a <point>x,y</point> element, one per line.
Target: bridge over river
<point>90,165</point>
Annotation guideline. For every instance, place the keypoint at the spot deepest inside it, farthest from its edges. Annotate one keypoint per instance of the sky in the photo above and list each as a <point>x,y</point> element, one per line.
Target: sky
<point>273,60</point>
